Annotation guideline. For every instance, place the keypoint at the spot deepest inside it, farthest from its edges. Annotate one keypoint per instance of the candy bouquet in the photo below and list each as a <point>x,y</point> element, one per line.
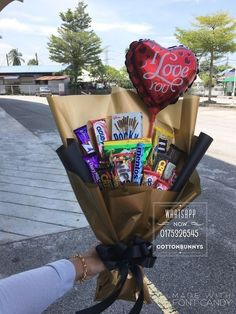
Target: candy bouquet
<point>122,173</point>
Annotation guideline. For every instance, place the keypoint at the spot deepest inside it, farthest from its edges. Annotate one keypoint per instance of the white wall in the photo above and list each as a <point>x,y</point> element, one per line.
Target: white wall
<point>31,89</point>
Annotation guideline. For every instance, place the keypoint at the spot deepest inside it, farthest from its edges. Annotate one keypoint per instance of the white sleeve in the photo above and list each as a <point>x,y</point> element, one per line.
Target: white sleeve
<point>31,292</point>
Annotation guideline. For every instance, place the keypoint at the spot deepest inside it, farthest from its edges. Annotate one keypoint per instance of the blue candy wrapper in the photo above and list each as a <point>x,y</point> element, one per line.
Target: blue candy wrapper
<point>138,164</point>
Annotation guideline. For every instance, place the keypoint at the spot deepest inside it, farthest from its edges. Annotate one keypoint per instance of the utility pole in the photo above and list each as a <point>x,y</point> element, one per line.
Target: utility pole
<point>36,58</point>
<point>234,81</point>
<point>7,60</point>
<point>227,62</point>
<point>106,53</point>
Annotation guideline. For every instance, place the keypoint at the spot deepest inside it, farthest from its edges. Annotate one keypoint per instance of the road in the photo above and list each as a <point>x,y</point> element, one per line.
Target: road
<point>193,285</point>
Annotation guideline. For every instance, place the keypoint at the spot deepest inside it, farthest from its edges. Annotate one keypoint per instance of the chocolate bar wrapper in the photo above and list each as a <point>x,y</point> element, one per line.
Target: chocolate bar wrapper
<point>83,138</point>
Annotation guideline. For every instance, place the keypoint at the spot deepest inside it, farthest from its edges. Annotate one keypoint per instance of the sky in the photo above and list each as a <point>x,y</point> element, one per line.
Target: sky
<point>28,25</point>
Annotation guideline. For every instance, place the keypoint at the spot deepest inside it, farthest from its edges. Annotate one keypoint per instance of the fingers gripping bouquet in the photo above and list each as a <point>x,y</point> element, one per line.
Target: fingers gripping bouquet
<point>118,175</point>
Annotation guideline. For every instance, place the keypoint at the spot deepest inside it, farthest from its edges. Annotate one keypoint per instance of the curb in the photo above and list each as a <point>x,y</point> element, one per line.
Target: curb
<point>217,105</point>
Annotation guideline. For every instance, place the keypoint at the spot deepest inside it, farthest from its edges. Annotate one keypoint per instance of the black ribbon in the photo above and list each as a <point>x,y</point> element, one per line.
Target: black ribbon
<point>124,258</point>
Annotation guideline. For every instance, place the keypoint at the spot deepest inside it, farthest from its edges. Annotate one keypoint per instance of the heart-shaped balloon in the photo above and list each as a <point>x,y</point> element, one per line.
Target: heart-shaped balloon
<point>160,75</point>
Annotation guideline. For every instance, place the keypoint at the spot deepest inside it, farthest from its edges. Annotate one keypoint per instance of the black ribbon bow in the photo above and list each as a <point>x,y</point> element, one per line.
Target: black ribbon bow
<point>125,258</point>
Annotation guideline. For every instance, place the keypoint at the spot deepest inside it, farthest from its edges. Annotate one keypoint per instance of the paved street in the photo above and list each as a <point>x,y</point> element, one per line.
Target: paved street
<point>35,195</point>
<point>40,220</point>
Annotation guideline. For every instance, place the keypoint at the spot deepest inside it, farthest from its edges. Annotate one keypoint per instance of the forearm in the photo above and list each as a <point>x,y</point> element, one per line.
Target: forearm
<point>33,291</point>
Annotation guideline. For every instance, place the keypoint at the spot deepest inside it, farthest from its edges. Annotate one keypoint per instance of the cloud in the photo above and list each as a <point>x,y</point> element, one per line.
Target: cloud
<point>168,38</point>
<point>46,30</point>
<point>27,17</point>
<point>166,41</point>
<point>13,24</point>
<point>5,47</point>
<point>128,27</point>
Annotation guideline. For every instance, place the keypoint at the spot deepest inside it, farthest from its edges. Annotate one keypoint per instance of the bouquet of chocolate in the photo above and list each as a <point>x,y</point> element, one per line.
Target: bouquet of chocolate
<point>122,178</point>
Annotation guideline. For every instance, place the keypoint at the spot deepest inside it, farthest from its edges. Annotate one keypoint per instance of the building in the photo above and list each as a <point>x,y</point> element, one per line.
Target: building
<point>229,81</point>
<point>26,79</point>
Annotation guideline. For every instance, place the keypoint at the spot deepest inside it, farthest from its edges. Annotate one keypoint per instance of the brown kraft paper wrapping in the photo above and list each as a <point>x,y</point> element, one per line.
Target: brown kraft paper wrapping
<point>127,211</point>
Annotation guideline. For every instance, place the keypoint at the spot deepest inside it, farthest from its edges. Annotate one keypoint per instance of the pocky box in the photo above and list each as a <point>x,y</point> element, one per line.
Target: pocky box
<point>127,125</point>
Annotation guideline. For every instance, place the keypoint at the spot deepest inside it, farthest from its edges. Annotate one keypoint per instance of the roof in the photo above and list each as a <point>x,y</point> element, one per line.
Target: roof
<point>225,71</point>
<point>229,79</point>
<point>51,78</point>
<point>10,77</point>
<point>17,69</point>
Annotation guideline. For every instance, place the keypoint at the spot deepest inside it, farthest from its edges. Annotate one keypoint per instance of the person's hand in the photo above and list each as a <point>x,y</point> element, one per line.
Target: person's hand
<point>93,262</point>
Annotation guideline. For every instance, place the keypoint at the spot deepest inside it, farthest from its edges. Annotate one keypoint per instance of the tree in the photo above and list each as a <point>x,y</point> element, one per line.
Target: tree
<point>15,57</point>
<point>205,72</point>
<point>33,62</point>
<point>76,44</point>
<point>212,37</point>
<point>109,75</point>
<point>98,73</point>
<point>206,79</point>
<point>112,74</point>
<point>126,82</point>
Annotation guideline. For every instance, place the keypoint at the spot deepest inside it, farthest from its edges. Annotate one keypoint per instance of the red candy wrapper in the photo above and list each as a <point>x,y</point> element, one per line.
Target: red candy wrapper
<point>162,185</point>
<point>150,178</point>
<point>101,133</point>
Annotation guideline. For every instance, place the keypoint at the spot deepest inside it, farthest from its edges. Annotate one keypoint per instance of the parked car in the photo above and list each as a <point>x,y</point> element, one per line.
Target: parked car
<point>43,91</point>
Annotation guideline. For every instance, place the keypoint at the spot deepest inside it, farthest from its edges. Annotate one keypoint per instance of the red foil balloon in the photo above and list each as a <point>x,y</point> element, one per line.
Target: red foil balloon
<point>160,75</point>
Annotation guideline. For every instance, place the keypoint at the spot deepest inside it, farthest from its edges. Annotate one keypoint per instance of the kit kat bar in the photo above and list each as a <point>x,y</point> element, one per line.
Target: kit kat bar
<point>198,151</point>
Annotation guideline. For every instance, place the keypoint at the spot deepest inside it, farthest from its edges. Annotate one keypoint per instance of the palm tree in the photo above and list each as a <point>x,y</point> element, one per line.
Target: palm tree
<point>15,57</point>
